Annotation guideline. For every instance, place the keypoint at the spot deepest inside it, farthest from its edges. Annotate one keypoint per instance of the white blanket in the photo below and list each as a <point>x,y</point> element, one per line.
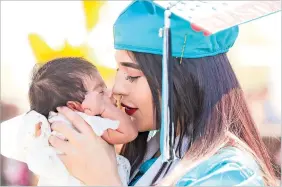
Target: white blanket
<point>18,141</point>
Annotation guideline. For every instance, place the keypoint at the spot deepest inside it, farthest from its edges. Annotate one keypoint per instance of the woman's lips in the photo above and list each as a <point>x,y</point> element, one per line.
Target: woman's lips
<point>130,111</point>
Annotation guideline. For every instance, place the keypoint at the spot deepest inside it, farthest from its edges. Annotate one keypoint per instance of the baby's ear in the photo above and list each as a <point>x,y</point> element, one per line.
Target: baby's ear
<point>75,105</point>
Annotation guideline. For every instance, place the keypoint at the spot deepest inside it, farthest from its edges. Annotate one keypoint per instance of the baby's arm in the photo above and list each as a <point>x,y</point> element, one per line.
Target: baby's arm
<point>94,104</point>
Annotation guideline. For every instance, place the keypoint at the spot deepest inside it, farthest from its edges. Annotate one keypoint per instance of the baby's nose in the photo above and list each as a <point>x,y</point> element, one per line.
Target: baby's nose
<point>109,92</point>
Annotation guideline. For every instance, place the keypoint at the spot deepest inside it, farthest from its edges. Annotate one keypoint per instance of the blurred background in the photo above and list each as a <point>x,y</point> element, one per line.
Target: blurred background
<point>69,28</point>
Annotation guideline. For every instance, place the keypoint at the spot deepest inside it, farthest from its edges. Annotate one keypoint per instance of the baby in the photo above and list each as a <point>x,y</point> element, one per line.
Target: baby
<point>67,81</point>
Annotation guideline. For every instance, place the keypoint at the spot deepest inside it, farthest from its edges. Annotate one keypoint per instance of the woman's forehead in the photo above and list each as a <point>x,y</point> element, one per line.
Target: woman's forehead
<point>124,56</point>
<point>127,63</point>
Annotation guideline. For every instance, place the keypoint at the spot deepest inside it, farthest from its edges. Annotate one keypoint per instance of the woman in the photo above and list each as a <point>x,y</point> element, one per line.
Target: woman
<point>217,140</point>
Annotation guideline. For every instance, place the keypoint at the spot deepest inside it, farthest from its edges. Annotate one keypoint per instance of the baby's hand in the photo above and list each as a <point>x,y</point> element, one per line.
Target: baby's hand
<point>96,103</point>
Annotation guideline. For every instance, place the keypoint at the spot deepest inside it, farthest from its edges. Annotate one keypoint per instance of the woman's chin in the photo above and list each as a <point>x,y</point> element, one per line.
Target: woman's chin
<point>141,126</point>
<point>144,127</point>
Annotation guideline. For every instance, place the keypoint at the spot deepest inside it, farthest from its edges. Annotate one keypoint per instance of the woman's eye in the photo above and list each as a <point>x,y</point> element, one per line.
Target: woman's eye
<point>132,79</point>
<point>102,92</point>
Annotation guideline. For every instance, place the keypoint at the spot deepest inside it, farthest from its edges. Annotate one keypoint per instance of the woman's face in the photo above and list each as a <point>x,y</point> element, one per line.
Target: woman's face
<point>136,96</point>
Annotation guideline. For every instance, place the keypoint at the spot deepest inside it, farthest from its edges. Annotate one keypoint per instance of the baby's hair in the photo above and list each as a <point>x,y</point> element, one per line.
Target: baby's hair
<point>59,81</point>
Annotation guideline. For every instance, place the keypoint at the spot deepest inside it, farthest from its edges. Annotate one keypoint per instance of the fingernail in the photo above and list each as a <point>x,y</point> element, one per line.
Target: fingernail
<point>51,139</point>
<point>87,111</point>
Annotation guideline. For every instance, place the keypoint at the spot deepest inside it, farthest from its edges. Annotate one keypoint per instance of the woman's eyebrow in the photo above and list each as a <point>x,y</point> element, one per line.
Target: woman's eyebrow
<point>130,65</point>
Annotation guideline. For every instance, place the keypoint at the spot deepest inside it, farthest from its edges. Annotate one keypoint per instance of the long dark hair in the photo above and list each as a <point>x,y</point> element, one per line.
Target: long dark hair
<point>208,104</point>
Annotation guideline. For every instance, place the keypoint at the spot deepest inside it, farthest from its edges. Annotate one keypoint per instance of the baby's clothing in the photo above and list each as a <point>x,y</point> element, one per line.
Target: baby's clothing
<point>42,158</point>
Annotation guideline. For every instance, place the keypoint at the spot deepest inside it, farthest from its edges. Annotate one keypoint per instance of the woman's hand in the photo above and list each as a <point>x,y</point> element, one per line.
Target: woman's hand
<point>86,156</point>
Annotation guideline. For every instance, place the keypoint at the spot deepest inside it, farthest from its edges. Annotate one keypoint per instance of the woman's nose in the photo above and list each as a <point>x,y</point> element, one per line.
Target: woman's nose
<point>120,86</point>
<point>109,94</point>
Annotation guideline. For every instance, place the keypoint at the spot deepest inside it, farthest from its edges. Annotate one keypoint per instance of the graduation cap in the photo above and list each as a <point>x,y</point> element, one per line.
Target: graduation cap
<point>140,25</point>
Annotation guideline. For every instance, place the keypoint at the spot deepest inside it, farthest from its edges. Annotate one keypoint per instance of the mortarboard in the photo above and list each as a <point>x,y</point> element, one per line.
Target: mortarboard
<point>137,29</point>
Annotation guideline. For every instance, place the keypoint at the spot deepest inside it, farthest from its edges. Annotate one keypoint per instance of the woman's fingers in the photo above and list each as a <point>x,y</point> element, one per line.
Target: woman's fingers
<point>60,145</point>
<point>76,121</point>
<point>64,159</point>
<point>69,133</point>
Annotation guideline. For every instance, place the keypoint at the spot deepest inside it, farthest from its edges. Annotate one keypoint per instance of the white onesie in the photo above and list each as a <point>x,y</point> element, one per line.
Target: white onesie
<point>42,158</point>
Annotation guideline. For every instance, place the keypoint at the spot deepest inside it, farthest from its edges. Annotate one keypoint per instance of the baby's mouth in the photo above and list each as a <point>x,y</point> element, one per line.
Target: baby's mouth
<point>129,110</point>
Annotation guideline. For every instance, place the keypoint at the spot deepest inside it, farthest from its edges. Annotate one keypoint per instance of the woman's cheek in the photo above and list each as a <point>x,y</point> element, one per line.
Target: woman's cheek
<point>146,106</point>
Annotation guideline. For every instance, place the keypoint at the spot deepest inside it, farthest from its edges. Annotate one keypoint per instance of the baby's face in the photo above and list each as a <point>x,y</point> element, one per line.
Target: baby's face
<point>98,95</point>
<point>96,84</point>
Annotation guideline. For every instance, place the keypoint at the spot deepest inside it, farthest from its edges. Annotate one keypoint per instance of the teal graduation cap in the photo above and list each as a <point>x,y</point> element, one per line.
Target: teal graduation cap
<point>138,26</point>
